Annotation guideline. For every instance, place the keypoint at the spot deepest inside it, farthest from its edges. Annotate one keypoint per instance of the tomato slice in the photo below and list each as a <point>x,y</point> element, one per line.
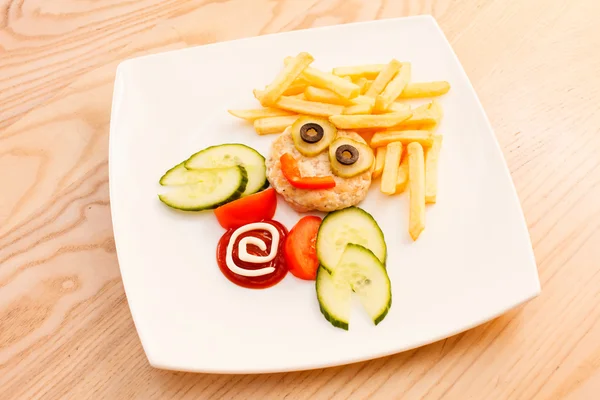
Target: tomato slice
<point>257,207</point>
<point>300,251</point>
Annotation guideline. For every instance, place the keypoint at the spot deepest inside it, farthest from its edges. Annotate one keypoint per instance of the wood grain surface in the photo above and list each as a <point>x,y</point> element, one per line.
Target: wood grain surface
<point>65,328</point>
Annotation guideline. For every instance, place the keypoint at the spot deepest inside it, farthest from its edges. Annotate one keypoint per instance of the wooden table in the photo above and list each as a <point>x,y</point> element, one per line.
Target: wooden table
<point>65,328</point>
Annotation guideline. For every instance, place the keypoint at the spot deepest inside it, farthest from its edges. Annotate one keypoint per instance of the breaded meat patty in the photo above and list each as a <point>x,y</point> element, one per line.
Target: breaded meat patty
<point>347,191</point>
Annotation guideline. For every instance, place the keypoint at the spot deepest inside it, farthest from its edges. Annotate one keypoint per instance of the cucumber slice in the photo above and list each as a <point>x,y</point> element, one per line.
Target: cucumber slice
<point>368,278</point>
<point>180,175</point>
<point>350,225</point>
<point>215,187</point>
<point>229,155</point>
<point>334,299</point>
<point>358,271</point>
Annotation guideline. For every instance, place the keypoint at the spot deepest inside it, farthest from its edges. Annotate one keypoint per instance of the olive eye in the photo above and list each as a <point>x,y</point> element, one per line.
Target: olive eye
<point>311,133</point>
<point>349,157</point>
<point>346,154</point>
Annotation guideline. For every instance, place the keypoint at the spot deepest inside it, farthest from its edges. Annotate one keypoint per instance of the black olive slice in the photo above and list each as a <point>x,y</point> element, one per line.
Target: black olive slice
<point>346,154</point>
<point>311,132</point>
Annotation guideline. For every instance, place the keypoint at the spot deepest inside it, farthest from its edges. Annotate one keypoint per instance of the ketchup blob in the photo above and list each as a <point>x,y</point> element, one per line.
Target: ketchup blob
<point>278,263</point>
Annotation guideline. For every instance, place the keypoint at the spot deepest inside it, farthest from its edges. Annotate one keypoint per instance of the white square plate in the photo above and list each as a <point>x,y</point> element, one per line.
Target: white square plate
<point>473,261</point>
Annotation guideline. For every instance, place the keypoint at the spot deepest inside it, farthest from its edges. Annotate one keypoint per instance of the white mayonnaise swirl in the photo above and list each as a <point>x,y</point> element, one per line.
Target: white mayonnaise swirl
<point>243,249</point>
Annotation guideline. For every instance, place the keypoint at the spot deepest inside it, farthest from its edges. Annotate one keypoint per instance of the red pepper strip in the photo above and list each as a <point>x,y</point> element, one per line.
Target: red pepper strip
<point>289,168</point>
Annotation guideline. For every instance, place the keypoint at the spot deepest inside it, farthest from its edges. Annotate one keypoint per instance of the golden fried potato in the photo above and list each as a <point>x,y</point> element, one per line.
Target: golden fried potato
<point>358,109</point>
<point>266,126</point>
<point>313,93</point>
<point>389,175</point>
<point>424,117</point>
<point>393,89</point>
<point>402,180</point>
<point>368,71</point>
<point>299,86</point>
<point>326,80</point>
<point>405,137</point>
<point>396,107</point>
<point>285,78</point>
<point>431,169</point>
<point>251,115</point>
<point>379,161</point>
<point>425,89</point>
<point>383,78</point>
<point>361,82</point>
<point>369,121</point>
<point>309,107</point>
<point>416,184</point>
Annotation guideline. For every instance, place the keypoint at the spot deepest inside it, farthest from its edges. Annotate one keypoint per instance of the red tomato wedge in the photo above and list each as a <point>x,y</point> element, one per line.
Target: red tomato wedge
<point>300,251</point>
<point>257,207</point>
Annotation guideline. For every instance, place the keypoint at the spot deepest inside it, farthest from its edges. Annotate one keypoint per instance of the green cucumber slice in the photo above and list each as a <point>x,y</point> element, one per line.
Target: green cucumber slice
<point>350,225</point>
<point>334,299</point>
<point>180,175</point>
<point>231,154</point>
<point>368,278</point>
<point>215,187</point>
<point>358,271</point>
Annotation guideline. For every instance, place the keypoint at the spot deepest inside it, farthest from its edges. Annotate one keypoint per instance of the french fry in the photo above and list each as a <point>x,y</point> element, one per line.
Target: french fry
<point>431,169</point>
<point>397,107</point>
<point>424,117</point>
<point>309,107</point>
<point>416,184</point>
<point>358,109</point>
<point>325,96</point>
<point>299,86</point>
<point>424,138</point>
<point>369,71</point>
<point>391,164</point>
<point>251,115</point>
<point>425,89</point>
<point>369,121</point>
<point>348,78</point>
<point>366,87</point>
<point>326,80</point>
<point>361,82</point>
<point>285,78</point>
<point>379,161</point>
<point>363,100</point>
<point>402,173</point>
<point>383,78</point>
<point>393,89</point>
<point>436,109</point>
<point>266,126</point>
<point>258,93</point>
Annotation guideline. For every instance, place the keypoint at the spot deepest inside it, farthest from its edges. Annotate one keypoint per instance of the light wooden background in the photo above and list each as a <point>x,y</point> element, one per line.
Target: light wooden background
<point>65,328</point>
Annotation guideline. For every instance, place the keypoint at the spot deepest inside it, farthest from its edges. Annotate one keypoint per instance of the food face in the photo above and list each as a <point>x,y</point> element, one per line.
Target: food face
<point>333,167</point>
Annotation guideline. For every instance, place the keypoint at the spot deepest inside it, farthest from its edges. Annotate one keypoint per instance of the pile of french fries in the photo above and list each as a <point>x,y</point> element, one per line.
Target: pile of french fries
<point>370,100</point>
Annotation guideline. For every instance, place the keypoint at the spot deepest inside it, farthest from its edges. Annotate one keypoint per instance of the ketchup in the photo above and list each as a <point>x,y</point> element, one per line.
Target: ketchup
<point>254,282</point>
